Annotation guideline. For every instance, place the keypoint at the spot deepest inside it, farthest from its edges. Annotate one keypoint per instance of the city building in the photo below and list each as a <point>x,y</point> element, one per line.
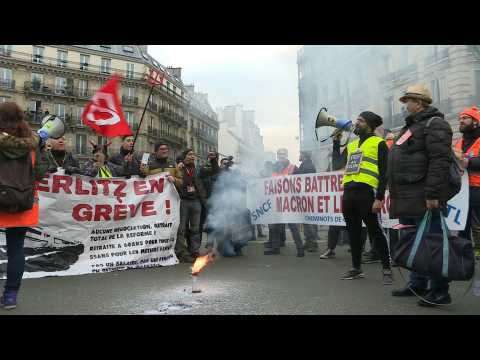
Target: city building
<point>350,79</point>
<point>240,137</point>
<point>61,79</point>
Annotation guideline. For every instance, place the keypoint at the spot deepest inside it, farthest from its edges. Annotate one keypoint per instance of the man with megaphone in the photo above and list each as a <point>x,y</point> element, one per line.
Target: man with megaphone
<point>364,183</point>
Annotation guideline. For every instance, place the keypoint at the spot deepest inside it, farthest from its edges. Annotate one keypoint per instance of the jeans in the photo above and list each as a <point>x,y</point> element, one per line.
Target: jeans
<point>16,257</point>
<point>190,212</point>
<point>279,230</point>
<point>310,232</point>
<point>439,285</point>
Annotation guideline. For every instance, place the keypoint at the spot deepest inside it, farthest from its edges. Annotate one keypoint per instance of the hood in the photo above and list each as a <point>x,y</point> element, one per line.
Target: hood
<point>428,113</point>
<point>12,147</point>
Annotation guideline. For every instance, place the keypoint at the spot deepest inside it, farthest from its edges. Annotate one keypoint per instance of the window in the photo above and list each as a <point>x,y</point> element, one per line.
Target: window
<point>3,99</point>
<point>60,86</point>
<point>37,81</point>
<point>128,49</point>
<point>78,115</point>
<point>81,144</point>
<point>130,71</point>
<point>151,122</point>
<point>129,92</point>
<point>59,110</point>
<point>106,65</point>
<point>34,106</point>
<point>442,89</point>
<point>62,58</point>
<point>84,61</point>
<point>5,50</point>
<point>129,118</point>
<point>5,77</point>
<point>83,88</point>
<point>101,140</point>
<point>38,54</point>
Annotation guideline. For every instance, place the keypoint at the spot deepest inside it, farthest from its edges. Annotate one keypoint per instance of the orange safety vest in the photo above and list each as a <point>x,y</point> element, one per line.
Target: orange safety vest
<point>27,218</point>
<point>287,171</point>
<point>474,150</point>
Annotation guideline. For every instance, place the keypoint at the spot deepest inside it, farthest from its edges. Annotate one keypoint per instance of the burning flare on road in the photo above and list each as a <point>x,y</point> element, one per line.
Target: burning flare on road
<point>201,262</point>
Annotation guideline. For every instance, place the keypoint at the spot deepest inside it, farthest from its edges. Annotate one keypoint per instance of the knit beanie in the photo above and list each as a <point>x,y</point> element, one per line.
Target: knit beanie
<point>373,120</point>
<point>472,112</point>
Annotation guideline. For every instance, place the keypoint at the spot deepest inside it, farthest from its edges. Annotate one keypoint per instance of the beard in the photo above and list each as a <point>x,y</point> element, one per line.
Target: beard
<point>467,128</point>
<point>358,131</point>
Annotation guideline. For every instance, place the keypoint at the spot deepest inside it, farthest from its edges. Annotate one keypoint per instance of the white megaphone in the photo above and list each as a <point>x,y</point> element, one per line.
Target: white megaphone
<point>52,127</point>
<point>324,119</point>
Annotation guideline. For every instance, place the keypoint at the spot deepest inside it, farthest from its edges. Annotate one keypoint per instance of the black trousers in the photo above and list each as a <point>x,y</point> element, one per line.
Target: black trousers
<point>357,207</point>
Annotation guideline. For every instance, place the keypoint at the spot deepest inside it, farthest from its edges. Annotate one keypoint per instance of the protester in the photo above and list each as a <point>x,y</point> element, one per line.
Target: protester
<point>99,166</point>
<point>265,173</point>
<point>419,163</point>
<point>283,167</point>
<point>192,195</point>
<point>310,230</point>
<point>364,186</point>
<point>339,160</point>
<point>22,162</point>
<point>59,157</point>
<point>208,175</point>
<point>160,163</point>
<point>127,162</point>
<point>467,150</point>
<point>228,216</point>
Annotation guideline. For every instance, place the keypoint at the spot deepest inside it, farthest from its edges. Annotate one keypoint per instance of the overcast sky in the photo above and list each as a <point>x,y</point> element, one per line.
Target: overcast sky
<point>260,77</point>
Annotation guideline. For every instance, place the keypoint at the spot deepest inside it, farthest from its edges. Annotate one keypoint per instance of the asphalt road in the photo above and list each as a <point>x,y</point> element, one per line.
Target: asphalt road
<point>253,284</point>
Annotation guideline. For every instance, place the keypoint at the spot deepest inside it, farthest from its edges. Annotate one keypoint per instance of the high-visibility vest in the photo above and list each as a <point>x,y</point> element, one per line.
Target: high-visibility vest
<point>27,218</point>
<point>287,171</point>
<point>474,150</point>
<point>104,172</point>
<point>368,171</point>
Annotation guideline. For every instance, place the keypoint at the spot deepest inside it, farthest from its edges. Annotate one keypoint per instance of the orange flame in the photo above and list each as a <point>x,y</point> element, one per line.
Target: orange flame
<point>200,263</point>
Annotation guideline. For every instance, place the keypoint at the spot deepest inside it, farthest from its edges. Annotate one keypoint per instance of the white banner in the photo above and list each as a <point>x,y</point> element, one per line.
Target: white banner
<point>317,199</point>
<point>100,225</point>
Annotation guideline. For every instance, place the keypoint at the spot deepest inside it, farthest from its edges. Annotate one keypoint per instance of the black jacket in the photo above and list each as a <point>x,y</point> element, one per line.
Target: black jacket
<point>199,194</point>
<point>418,168</point>
<point>126,169</point>
<point>65,160</point>
<point>306,167</point>
<point>473,164</point>
<point>208,174</point>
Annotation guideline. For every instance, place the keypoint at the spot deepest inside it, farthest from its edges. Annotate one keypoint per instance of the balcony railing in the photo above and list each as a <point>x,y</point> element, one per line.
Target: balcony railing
<point>48,89</point>
<point>205,136</point>
<point>34,117</point>
<point>129,100</point>
<point>7,84</point>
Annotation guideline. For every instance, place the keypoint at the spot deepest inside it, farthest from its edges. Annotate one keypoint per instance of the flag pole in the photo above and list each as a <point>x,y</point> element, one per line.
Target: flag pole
<point>141,119</point>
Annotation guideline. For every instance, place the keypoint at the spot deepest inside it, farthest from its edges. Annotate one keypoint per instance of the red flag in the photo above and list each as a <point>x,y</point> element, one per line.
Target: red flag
<point>155,77</point>
<point>104,113</point>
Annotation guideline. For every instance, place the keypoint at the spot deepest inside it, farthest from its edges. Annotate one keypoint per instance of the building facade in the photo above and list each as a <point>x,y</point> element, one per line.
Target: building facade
<point>350,79</point>
<point>61,79</point>
<point>240,137</point>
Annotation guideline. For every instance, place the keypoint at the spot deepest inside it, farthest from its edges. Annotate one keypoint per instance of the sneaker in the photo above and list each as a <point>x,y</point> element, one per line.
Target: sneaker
<point>9,299</point>
<point>329,254</point>
<point>371,258</point>
<point>407,291</point>
<point>353,274</point>
<point>387,277</point>
<point>432,299</point>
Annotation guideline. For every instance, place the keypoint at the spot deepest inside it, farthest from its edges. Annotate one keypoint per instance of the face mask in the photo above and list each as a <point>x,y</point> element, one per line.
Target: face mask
<point>404,111</point>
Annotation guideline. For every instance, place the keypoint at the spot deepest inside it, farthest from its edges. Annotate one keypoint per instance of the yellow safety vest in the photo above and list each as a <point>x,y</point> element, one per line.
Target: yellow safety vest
<point>104,172</point>
<point>368,169</point>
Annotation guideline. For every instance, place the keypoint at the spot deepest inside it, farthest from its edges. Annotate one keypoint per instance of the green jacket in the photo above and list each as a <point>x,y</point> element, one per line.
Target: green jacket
<point>12,147</point>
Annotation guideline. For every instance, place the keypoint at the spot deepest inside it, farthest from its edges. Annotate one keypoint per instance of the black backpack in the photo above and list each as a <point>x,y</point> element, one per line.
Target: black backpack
<point>17,183</point>
<point>455,172</point>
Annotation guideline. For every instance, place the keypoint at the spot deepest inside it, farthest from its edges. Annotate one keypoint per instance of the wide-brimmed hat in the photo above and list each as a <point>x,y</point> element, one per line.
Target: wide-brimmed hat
<point>420,92</point>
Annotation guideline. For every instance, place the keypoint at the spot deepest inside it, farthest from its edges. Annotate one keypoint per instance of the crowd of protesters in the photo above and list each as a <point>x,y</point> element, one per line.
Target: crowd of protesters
<point>413,166</point>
